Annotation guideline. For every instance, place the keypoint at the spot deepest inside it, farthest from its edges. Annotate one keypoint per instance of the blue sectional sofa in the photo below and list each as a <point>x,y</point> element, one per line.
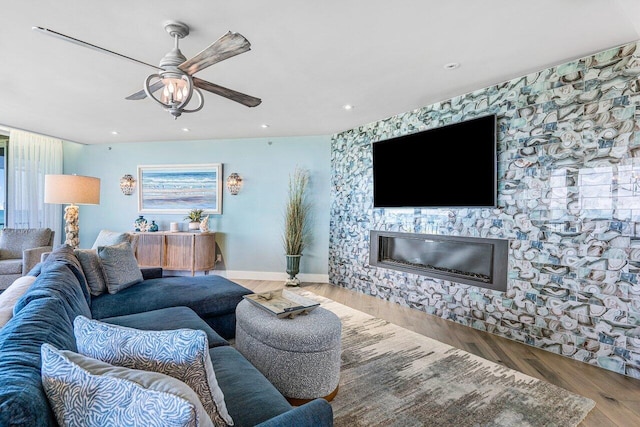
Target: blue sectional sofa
<point>45,314</point>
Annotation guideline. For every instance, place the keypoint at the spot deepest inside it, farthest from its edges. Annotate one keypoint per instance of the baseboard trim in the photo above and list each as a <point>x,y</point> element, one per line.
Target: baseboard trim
<point>271,275</point>
<point>256,275</point>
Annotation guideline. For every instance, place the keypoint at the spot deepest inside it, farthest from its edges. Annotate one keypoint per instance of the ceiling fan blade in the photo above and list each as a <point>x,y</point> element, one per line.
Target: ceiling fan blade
<point>88,45</point>
<point>249,101</point>
<point>142,94</point>
<point>231,44</point>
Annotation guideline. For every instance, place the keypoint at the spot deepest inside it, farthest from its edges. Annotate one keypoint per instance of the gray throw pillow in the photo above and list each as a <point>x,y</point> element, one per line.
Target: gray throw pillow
<point>110,238</point>
<point>93,270</point>
<point>120,266</point>
<point>88,392</point>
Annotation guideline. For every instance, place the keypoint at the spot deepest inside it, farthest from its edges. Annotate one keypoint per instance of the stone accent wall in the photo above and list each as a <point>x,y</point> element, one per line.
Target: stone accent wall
<point>569,205</point>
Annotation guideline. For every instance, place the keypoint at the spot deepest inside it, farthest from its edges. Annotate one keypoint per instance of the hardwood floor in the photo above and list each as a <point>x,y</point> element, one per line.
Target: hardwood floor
<point>617,397</point>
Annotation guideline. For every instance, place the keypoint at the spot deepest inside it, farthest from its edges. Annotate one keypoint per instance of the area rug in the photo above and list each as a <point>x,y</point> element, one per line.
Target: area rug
<point>391,376</point>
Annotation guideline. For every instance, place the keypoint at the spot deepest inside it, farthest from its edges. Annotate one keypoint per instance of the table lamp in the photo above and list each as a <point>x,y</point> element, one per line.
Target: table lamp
<point>72,190</point>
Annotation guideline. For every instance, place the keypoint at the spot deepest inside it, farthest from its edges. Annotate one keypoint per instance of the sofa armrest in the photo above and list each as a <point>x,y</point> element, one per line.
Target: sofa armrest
<point>316,413</point>
<point>30,257</point>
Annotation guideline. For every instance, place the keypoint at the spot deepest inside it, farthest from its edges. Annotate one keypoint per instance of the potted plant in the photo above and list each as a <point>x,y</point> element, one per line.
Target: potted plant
<point>296,223</point>
<point>194,217</point>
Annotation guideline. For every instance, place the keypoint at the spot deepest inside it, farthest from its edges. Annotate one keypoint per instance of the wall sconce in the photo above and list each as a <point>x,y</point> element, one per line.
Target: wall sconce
<point>127,184</point>
<point>234,183</point>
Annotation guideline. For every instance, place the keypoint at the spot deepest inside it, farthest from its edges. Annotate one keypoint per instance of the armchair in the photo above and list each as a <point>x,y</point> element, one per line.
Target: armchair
<point>20,251</point>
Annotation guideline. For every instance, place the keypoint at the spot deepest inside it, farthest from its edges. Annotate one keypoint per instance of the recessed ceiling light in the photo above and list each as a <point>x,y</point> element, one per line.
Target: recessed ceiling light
<point>264,126</point>
<point>451,66</point>
<point>115,132</point>
<point>186,130</point>
<point>348,107</point>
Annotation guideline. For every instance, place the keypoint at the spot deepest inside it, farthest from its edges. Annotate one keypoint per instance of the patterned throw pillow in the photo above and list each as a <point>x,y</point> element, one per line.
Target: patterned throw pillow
<point>93,271</point>
<point>87,392</point>
<point>180,353</point>
<point>120,266</point>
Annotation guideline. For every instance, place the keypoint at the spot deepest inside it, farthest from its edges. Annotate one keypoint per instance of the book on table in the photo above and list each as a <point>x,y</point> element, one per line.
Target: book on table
<point>282,303</point>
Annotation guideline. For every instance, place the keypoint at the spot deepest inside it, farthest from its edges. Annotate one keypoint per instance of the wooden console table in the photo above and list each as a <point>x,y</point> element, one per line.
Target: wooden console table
<point>177,251</point>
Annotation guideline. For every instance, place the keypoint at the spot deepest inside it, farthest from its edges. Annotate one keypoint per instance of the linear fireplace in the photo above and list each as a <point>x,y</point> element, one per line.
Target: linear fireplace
<point>469,260</point>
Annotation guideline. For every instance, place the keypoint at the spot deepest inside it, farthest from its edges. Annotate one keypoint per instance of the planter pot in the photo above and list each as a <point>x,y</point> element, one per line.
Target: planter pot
<point>193,226</point>
<point>293,268</point>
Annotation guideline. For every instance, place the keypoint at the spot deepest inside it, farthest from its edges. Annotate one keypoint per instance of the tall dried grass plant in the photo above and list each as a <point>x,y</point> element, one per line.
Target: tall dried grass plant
<point>296,220</point>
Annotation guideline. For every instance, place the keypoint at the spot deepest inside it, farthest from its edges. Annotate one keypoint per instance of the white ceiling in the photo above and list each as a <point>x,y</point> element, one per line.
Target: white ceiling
<point>308,59</point>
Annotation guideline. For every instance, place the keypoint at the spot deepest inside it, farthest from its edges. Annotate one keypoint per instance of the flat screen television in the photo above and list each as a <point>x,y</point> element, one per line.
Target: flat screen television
<point>453,166</point>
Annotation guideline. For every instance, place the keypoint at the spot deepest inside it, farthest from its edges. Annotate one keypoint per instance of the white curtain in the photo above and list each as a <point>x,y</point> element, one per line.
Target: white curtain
<point>29,158</point>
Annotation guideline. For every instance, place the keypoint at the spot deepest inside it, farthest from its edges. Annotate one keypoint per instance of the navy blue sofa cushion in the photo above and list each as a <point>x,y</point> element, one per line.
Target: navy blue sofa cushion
<point>166,319</point>
<point>57,280</point>
<point>193,292</point>
<point>250,397</point>
<point>253,401</point>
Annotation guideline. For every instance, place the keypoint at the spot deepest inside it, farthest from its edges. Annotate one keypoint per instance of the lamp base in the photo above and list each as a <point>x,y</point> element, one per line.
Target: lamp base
<point>71,229</point>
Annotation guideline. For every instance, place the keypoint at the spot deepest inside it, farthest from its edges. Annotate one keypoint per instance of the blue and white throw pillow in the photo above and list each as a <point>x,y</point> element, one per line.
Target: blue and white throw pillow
<point>86,392</point>
<point>180,353</point>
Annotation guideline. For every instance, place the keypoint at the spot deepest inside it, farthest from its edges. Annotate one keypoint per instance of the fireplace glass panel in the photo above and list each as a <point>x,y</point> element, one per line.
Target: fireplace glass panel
<point>470,260</point>
<point>454,257</point>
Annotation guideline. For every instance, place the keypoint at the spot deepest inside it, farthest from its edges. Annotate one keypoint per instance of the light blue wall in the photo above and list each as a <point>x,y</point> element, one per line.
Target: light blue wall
<point>250,227</point>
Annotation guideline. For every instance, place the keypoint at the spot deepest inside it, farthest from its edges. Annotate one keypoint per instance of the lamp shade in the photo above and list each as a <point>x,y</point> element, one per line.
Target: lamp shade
<point>72,189</point>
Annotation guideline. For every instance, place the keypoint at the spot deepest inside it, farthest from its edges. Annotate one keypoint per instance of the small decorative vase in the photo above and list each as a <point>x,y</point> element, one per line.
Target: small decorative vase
<point>139,223</point>
<point>293,268</point>
<point>194,226</point>
<point>153,226</point>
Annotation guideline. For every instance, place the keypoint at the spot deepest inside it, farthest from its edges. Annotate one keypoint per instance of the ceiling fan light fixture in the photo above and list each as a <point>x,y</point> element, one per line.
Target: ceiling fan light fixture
<point>174,65</point>
<point>177,91</point>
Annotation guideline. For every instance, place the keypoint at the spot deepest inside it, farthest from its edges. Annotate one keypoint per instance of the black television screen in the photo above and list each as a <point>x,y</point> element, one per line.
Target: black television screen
<point>450,166</point>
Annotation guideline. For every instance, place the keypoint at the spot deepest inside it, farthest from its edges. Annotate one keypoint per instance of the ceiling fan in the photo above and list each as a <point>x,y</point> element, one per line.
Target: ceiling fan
<point>174,74</point>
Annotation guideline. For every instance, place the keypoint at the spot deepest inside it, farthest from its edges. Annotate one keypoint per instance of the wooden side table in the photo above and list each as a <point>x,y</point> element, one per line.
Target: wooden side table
<point>190,251</point>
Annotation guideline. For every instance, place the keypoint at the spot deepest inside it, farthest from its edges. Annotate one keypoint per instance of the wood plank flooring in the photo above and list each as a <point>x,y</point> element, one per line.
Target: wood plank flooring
<point>617,397</point>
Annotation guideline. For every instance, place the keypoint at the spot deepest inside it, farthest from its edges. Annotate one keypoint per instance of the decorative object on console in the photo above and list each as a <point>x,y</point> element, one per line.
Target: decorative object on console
<point>194,217</point>
<point>234,183</point>
<point>167,189</point>
<point>174,227</point>
<point>175,77</point>
<point>127,184</point>
<point>72,190</point>
<point>153,226</point>
<point>204,224</point>
<point>140,224</point>
<point>296,223</point>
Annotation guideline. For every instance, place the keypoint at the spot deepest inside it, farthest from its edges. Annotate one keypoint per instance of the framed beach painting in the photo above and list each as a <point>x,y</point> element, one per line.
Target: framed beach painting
<point>176,189</point>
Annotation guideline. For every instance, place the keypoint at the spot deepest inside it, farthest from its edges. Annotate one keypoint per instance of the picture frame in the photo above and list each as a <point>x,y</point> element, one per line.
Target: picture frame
<point>177,189</point>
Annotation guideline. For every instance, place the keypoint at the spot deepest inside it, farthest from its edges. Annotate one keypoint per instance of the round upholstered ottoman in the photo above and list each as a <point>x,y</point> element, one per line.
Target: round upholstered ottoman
<point>299,356</point>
